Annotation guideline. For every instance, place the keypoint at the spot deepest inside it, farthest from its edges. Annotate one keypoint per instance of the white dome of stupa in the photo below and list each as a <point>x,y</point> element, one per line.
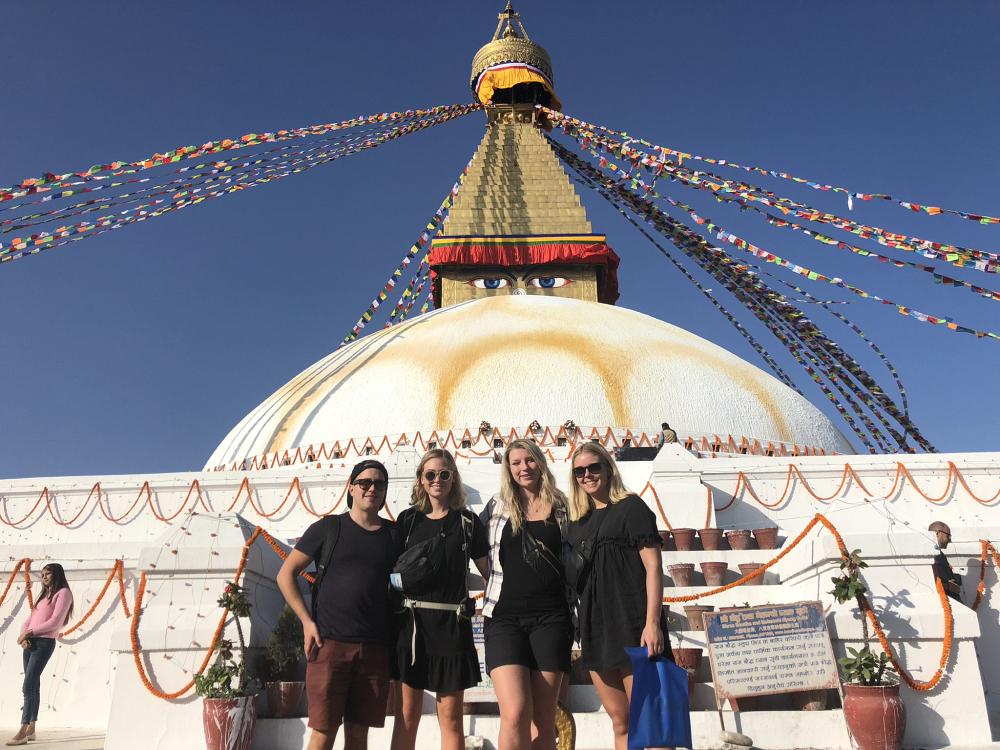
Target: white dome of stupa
<point>510,360</point>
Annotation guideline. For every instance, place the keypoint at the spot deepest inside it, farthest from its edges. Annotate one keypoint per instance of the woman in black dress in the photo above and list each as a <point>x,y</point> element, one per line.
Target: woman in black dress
<point>434,647</point>
<point>527,622</point>
<point>621,591</point>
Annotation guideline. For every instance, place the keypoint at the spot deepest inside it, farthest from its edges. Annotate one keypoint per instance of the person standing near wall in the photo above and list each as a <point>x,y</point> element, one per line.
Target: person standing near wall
<point>434,645</point>
<point>527,625</point>
<point>614,565</point>
<point>346,632</point>
<point>52,611</point>
<point>951,581</point>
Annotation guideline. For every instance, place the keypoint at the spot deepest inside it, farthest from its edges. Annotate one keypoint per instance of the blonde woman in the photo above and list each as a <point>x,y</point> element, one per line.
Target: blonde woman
<point>527,623</point>
<point>434,646</point>
<point>621,583</point>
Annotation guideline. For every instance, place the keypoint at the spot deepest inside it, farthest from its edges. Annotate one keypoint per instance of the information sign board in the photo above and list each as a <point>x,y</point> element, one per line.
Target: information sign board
<point>483,692</point>
<point>778,648</point>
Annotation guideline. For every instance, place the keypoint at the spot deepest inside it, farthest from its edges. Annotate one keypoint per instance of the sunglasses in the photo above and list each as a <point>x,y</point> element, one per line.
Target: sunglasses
<point>366,484</point>
<point>430,475</point>
<point>593,469</point>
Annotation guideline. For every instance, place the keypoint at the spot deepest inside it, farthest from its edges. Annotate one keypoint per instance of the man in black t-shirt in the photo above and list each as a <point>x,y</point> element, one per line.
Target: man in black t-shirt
<point>347,673</point>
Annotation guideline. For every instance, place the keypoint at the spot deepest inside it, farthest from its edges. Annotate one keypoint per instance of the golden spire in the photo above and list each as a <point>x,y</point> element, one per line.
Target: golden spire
<point>511,58</point>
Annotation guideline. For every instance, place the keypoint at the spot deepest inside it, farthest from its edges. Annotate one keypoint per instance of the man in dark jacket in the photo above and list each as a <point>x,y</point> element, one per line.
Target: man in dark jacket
<point>951,581</point>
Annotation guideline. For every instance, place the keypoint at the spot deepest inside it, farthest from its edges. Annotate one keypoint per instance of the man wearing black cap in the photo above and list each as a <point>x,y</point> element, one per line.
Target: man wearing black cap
<point>951,581</point>
<point>347,629</point>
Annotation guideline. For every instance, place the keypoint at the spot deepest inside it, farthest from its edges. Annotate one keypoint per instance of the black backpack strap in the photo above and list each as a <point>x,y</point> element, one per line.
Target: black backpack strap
<point>323,560</point>
<point>409,529</point>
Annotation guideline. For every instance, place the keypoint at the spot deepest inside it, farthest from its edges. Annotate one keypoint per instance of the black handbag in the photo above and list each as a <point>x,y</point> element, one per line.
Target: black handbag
<point>577,557</point>
<point>418,565</point>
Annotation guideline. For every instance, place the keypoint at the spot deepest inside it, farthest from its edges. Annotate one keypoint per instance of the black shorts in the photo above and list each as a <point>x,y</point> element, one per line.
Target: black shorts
<point>540,642</point>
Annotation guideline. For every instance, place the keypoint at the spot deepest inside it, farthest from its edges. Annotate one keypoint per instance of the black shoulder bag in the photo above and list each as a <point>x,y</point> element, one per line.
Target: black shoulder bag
<point>577,557</point>
<point>419,564</point>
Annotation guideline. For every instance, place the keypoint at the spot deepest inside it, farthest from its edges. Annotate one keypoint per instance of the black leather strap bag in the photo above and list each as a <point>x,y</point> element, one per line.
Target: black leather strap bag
<point>577,557</point>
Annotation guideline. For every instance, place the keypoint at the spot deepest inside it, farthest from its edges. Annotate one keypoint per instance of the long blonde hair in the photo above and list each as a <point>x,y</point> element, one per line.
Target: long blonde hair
<point>510,493</point>
<point>418,495</point>
<point>580,503</point>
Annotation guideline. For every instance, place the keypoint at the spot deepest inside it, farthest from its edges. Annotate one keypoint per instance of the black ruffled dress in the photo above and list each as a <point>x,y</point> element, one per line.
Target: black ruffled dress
<point>612,607</point>
<point>446,659</point>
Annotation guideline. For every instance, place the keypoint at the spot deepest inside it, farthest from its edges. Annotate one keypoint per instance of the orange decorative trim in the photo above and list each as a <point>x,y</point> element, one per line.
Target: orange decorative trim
<point>953,480</point>
<point>649,486</point>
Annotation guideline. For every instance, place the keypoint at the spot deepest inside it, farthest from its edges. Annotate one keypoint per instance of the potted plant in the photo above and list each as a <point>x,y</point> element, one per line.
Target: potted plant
<point>228,710</point>
<point>875,713</point>
<point>282,659</point>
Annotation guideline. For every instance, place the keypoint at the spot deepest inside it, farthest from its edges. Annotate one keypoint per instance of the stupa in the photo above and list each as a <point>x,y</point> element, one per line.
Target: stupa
<point>527,340</point>
<point>526,328</point>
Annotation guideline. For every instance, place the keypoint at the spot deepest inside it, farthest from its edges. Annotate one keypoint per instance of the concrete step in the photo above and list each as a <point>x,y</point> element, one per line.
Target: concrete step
<point>775,730</point>
<point>512,200</point>
<point>516,214</point>
<point>491,228</point>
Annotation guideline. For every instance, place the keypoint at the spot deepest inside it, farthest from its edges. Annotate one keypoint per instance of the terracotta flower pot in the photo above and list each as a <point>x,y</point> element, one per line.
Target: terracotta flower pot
<point>714,572</point>
<point>767,538</point>
<point>283,698</point>
<point>747,569</point>
<point>684,539</point>
<point>711,539</point>
<point>681,573</point>
<point>694,613</point>
<point>876,716</point>
<point>688,659</point>
<point>739,538</point>
<point>229,722</point>
<point>668,540</point>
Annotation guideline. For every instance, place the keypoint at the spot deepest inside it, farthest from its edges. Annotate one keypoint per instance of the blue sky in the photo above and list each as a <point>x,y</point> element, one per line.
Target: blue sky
<point>138,350</point>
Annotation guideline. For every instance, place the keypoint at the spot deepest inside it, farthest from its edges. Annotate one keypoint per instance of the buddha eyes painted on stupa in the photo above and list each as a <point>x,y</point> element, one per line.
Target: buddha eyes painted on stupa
<point>534,281</point>
<point>543,279</point>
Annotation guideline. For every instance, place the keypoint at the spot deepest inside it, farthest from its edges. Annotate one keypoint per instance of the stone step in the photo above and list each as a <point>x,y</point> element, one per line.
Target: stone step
<point>525,183</point>
<point>510,214</point>
<point>775,730</point>
<point>491,228</point>
<point>490,198</point>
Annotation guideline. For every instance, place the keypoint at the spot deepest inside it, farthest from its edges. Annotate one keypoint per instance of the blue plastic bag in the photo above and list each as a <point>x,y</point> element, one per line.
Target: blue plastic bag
<point>658,714</point>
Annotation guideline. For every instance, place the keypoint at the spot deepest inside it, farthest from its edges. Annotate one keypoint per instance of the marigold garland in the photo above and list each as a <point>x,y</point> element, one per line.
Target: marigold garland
<point>953,479</point>
<point>25,563</point>
<point>117,571</point>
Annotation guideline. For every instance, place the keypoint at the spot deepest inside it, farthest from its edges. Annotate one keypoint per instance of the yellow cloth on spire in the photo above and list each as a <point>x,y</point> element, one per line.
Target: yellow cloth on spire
<point>508,75</point>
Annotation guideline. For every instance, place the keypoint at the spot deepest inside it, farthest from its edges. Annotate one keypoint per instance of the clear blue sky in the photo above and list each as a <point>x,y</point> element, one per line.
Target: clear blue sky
<point>137,351</point>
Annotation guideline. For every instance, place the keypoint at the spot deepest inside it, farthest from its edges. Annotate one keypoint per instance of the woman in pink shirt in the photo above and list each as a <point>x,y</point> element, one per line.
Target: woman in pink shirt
<point>38,639</point>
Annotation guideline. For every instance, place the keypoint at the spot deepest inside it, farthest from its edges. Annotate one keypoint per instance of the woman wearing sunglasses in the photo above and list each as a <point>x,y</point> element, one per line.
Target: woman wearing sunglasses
<point>434,646</point>
<point>620,583</point>
<point>527,623</point>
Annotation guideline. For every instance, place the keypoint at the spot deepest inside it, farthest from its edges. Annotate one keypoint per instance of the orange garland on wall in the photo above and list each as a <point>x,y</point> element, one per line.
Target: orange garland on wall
<point>258,533</point>
<point>144,497</point>
<point>954,477</point>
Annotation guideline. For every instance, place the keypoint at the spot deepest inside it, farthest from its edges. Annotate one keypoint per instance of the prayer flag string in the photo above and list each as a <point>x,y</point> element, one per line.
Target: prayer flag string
<point>45,240</point>
<point>422,242</point>
<point>49,181</point>
<point>851,194</point>
<point>759,298</point>
<point>962,257</point>
<point>637,183</point>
